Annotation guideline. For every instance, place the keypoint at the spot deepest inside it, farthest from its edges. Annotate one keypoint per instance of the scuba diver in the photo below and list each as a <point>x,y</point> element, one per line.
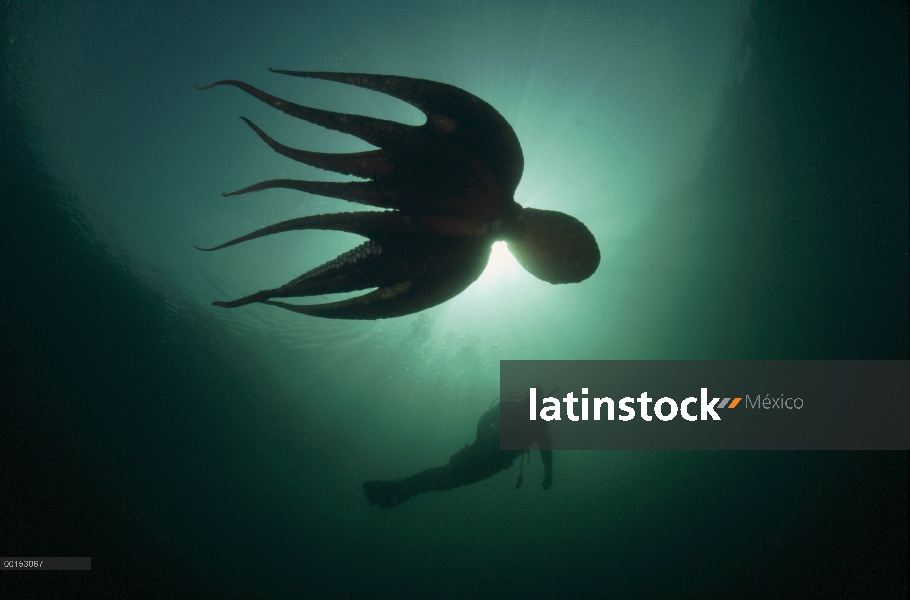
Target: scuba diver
<point>472,463</point>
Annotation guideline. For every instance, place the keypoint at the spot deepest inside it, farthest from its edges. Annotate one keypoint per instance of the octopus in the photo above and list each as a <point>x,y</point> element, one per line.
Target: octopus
<point>447,189</point>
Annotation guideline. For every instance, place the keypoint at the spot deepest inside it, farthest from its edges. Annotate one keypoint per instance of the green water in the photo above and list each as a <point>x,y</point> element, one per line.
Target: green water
<point>744,171</point>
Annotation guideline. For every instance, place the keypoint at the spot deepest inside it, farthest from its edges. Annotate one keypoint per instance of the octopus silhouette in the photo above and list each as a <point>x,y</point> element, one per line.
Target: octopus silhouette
<point>450,184</point>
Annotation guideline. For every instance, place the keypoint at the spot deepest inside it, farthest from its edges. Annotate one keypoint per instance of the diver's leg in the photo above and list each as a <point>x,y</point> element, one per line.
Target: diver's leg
<point>469,465</point>
<point>388,494</point>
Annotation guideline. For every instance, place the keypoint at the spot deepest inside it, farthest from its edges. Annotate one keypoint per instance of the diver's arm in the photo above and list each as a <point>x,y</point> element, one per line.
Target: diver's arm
<point>547,457</point>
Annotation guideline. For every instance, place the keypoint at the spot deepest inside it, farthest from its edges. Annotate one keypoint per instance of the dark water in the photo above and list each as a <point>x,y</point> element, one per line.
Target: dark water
<point>179,452</point>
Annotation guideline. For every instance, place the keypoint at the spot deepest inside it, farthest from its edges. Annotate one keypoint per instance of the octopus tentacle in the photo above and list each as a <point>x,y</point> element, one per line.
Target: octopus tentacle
<point>452,273</point>
<point>356,256</point>
<point>431,281</point>
<point>378,132</point>
<point>362,192</point>
<point>423,94</point>
<point>349,282</point>
<point>349,278</point>
<point>359,164</point>
<point>365,266</point>
<point>361,307</point>
<point>349,222</point>
<point>478,127</point>
<point>371,225</point>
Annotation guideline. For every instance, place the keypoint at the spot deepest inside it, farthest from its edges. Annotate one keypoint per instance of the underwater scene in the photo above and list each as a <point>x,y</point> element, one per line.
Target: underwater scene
<point>419,190</point>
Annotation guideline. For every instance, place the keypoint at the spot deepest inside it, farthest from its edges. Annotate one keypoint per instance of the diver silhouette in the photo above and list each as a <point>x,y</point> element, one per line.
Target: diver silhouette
<point>471,464</point>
